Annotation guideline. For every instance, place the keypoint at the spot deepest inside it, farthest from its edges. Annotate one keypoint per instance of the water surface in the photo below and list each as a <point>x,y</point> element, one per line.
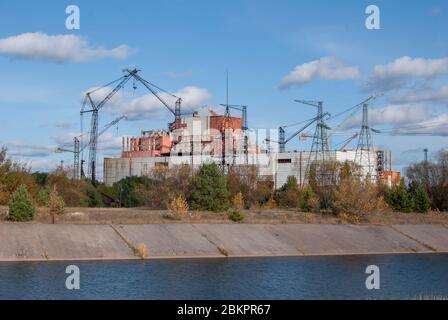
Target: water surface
<point>337,277</point>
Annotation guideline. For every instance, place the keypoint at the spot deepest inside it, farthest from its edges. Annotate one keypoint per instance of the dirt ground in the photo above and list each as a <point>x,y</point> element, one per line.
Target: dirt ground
<point>274,216</point>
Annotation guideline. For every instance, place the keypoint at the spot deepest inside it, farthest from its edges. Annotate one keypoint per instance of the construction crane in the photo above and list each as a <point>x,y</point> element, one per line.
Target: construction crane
<point>94,109</point>
<point>282,138</point>
<point>243,110</point>
<point>176,111</point>
<point>78,149</point>
<point>347,141</point>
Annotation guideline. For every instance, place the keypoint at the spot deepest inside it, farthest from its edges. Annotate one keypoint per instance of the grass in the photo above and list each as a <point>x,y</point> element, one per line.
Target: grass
<point>255,216</point>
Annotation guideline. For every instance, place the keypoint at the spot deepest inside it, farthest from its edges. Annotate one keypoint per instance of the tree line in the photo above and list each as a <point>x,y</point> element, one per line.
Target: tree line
<point>333,188</point>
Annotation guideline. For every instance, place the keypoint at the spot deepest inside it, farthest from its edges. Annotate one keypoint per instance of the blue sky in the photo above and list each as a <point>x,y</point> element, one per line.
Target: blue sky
<point>191,44</point>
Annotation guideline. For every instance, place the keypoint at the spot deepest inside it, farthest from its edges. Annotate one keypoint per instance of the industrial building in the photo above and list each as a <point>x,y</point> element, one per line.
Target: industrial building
<point>221,139</point>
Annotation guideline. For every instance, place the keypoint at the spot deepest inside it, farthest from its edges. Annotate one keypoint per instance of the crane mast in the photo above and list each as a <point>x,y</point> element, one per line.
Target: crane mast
<point>77,149</point>
<point>95,108</point>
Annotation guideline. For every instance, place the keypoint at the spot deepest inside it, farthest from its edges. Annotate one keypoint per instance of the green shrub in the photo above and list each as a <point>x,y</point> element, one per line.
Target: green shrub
<point>94,198</point>
<point>422,203</point>
<point>209,189</point>
<point>43,197</point>
<point>400,199</point>
<point>308,201</point>
<point>288,195</point>
<point>128,190</point>
<point>235,216</point>
<point>21,206</point>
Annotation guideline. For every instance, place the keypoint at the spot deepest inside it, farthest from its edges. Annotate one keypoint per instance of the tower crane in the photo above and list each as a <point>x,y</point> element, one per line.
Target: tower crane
<point>78,148</point>
<point>282,139</point>
<point>243,110</point>
<point>176,111</point>
<point>94,109</point>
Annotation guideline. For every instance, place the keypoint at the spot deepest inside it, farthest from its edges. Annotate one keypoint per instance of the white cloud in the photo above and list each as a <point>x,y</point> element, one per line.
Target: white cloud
<point>57,48</point>
<point>436,126</point>
<point>148,106</point>
<point>23,149</point>
<point>403,70</point>
<point>326,68</point>
<point>423,95</point>
<point>392,114</point>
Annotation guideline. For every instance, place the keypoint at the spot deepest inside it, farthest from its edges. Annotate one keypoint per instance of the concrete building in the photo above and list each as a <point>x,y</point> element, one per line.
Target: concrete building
<point>221,139</point>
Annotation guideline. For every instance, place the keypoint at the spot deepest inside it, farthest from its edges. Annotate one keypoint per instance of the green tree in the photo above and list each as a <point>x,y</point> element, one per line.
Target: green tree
<point>288,195</point>
<point>94,198</point>
<point>422,203</point>
<point>209,189</point>
<point>43,197</point>
<point>400,199</point>
<point>21,206</point>
<point>127,191</point>
<point>308,201</point>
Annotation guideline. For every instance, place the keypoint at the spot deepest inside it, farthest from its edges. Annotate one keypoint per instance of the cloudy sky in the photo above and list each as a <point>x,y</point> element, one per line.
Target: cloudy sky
<point>274,51</point>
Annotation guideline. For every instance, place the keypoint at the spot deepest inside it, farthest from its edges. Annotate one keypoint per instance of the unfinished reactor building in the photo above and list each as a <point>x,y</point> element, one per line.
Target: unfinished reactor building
<point>227,141</point>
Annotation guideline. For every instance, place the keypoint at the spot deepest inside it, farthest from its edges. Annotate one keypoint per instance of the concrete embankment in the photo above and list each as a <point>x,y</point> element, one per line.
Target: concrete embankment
<point>27,242</point>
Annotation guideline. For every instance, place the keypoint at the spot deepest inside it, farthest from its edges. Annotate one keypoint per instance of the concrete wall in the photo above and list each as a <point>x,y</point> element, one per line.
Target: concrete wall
<point>277,166</point>
<point>22,242</point>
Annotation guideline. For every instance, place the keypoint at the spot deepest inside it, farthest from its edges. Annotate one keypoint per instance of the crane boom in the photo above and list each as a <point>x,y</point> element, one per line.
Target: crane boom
<point>149,87</point>
<point>310,103</point>
<point>306,126</point>
<point>78,148</point>
<point>283,141</point>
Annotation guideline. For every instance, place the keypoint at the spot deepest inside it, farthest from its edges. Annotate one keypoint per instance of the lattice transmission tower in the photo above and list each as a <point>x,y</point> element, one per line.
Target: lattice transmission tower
<point>364,149</point>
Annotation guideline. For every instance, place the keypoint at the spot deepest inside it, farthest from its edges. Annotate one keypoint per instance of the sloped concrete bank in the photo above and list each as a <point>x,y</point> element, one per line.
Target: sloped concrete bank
<point>34,242</point>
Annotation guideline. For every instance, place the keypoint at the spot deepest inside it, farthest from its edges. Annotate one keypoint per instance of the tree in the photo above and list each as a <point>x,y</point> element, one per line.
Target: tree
<point>355,197</point>
<point>128,190</point>
<point>308,201</point>
<point>21,206</point>
<point>209,190</point>
<point>94,196</point>
<point>422,203</point>
<point>288,195</point>
<point>400,199</point>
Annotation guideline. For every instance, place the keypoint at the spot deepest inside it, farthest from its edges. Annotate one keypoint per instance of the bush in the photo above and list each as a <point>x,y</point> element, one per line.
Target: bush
<point>288,195</point>
<point>94,198</point>
<point>356,197</point>
<point>246,180</point>
<point>270,204</point>
<point>238,201</point>
<point>179,206</point>
<point>235,216</point>
<point>157,190</point>
<point>55,202</point>
<point>308,201</point>
<point>21,206</point>
<point>43,197</point>
<point>128,191</point>
<point>422,203</point>
<point>209,190</point>
<point>72,191</point>
<point>400,199</point>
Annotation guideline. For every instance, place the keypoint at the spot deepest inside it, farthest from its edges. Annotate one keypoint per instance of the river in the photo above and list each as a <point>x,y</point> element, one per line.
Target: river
<point>327,277</point>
